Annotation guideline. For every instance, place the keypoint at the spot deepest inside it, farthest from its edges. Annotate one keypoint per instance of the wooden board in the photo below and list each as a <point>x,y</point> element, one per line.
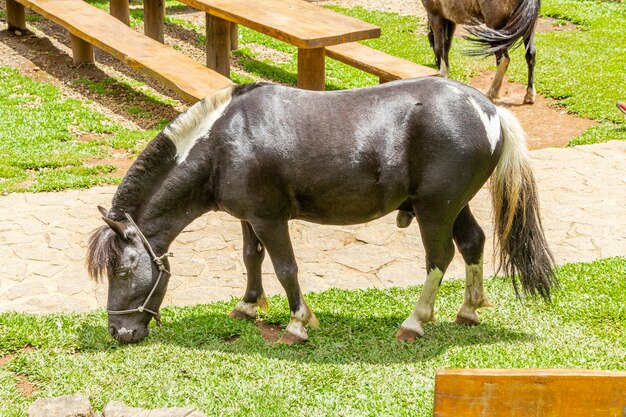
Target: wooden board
<point>530,393</point>
<point>296,22</point>
<point>191,80</point>
<point>376,62</point>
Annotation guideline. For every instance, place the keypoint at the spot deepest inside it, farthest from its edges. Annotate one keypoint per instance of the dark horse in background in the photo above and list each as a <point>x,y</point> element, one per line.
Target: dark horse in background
<point>497,26</point>
<point>266,154</point>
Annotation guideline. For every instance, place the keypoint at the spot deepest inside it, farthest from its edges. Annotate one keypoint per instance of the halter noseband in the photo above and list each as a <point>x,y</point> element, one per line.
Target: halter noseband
<point>158,260</point>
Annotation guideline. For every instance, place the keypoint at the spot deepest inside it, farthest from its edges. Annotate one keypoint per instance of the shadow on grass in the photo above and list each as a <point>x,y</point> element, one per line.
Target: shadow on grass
<point>340,340</point>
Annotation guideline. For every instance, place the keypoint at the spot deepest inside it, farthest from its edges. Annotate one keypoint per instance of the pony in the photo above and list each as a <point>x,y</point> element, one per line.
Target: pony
<point>266,153</point>
<point>496,26</point>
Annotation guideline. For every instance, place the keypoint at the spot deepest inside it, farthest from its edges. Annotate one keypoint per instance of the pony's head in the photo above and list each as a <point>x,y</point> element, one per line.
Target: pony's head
<point>136,284</point>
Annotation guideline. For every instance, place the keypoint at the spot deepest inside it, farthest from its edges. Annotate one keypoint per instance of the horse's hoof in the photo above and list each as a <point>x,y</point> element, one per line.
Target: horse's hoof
<point>466,320</point>
<point>407,335</point>
<point>240,315</point>
<point>289,338</point>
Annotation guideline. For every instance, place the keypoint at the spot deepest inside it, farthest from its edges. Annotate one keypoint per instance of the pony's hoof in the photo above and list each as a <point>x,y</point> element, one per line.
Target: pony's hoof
<point>289,338</point>
<point>240,315</point>
<point>466,320</point>
<point>407,335</point>
<point>530,97</point>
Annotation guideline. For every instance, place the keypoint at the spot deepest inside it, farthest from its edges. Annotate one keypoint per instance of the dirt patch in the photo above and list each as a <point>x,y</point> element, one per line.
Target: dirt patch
<point>26,388</point>
<point>546,124</point>
<point>231,339</point>
<point>6,358</point>
<point>269,332</point>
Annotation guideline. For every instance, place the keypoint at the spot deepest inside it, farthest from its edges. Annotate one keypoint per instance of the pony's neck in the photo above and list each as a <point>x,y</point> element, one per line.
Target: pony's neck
<point>144,177</point>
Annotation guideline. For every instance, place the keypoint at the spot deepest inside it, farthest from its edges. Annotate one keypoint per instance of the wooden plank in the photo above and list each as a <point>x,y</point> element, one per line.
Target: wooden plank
<point>153,19</point>
<point>311,69</point>
<point>16,16</point>
<point>376,62</point>
<point>218,44</point>
<point>296,22</point>
<point>530,393</point>
<point>191,80</point>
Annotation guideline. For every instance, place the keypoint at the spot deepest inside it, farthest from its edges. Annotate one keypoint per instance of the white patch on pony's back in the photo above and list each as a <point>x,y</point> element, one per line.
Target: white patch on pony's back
<point>197,122</point>
<point>491,123</point>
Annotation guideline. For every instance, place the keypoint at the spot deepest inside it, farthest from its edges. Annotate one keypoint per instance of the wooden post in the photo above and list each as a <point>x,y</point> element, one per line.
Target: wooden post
<point>120,10</point>
<point>218,44</point>
<point>16,16</point>
<point>153,15</point>
<point>234,36</point>
<point>82,51</point>
<point>311,69</point>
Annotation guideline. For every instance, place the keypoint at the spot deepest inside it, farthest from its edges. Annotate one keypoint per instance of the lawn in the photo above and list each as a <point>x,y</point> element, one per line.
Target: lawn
<point>352,365</point>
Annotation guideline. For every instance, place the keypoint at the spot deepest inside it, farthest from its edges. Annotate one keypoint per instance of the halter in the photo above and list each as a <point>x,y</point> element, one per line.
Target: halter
<point>158,260</point>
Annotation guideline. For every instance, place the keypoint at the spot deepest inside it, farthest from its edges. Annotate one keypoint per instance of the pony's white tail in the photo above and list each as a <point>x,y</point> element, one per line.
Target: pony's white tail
<point>521,245</point>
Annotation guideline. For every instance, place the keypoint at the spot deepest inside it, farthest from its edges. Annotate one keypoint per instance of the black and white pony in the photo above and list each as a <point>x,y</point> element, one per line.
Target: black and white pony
<point>497,26</point>
<point>266,154</point>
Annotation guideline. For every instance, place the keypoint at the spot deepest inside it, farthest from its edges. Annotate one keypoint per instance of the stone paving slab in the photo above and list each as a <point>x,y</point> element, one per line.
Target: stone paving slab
<point>43,240</point>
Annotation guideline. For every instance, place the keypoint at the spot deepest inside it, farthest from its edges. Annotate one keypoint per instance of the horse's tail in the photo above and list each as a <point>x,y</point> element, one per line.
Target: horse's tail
<point>521,246</point>
<point>520,25</point>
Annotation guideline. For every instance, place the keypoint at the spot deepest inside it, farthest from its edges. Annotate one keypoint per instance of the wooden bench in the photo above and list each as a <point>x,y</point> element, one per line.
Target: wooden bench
<point>91,26</point>
<point>385,66</point>
<point>530,393</point>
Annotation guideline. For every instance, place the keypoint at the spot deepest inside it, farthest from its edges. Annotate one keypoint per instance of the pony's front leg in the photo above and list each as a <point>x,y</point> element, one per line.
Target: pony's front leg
<point>275,236</point>
<point>253,254</point>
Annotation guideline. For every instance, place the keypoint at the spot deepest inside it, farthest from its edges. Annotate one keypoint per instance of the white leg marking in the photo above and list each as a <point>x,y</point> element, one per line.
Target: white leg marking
<point>196,122</point>
<point>249,309</point>
<point>443,69</point>
<point>424,310</point>
<point>490,122</point>
<point>475,296</point>
<point>494,90</point>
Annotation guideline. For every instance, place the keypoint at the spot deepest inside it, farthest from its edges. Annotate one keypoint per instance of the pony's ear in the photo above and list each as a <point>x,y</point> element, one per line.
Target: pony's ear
<point>103,211</point>
<point>118,227</point>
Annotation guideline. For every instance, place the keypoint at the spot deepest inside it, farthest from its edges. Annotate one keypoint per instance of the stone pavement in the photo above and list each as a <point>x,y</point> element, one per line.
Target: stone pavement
<point>43,240</point>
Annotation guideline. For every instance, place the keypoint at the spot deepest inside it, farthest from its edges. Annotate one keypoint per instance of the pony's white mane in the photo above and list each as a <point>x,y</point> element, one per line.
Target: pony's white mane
<point>196,122</point>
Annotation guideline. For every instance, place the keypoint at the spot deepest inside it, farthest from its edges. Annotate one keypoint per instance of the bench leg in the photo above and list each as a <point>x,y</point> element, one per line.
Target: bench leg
<point>153,15</point>
<point>382,80</point>
<point>82,51</point>
<point>120,10</point>
<point>234,36</point>
<point>16,16</point>
<point>218,35</point>
<point>311,68</point>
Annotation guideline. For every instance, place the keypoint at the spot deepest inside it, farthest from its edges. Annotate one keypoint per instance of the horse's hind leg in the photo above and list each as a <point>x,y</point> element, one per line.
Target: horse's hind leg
<point>502,59</point>
<point>439,28</point>
<point>470,239</point>
<point>275,236</point>
<point>531,54</point>
<point>437,238</point>
<point>253,254</point>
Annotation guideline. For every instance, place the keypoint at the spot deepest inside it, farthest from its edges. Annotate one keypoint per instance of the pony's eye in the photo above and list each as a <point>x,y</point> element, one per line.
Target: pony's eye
<point>122,273</point>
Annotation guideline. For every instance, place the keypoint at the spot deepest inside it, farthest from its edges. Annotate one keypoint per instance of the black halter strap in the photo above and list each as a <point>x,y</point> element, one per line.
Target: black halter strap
<point>158,260</point>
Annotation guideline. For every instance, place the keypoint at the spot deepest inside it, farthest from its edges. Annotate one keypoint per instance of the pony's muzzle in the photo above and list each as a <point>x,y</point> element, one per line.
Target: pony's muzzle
<point>125,336</point>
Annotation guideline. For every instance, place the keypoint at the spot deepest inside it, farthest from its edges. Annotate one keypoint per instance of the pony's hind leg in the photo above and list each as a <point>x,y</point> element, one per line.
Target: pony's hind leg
<point>438,37</point>
<point>275,236</point>
<point>502,59</point>
<point>470,239</point>
<point>437,238</point>
<point>531,56</point>
<point>253,254</point>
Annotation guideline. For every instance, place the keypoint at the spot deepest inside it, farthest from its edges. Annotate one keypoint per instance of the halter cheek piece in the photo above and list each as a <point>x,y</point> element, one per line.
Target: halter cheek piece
<point>158,260</point>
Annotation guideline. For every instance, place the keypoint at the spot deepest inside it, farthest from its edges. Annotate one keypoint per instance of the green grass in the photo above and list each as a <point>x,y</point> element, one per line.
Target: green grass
<point>351,366</point>
<point>39,150</point>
